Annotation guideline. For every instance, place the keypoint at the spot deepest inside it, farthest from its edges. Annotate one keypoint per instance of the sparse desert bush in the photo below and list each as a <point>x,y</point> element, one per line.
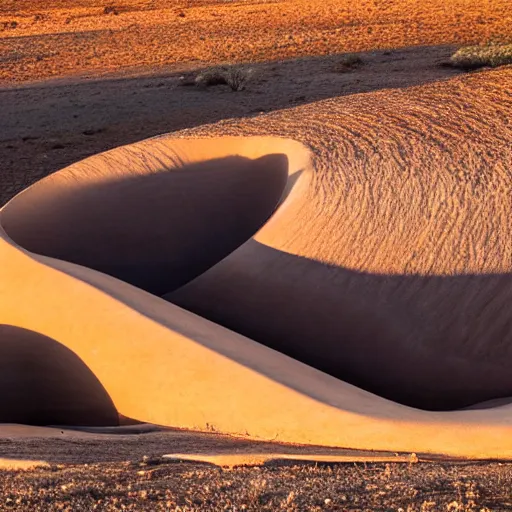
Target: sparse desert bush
<point>235,76</point>
<point>9,24</point>
<point>211,77</point>
<point>347,63</point>
<point>490,54</point>
<point>238,76</point>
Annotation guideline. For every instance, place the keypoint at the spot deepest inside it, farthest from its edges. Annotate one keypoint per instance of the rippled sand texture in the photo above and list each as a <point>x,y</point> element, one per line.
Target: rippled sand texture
<point>396,251</point>
<point>385,270</point>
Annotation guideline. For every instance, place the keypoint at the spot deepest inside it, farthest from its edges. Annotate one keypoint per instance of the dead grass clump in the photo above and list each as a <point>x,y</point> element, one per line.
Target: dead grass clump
<point>485,55</point>
<point>211,77</point>
<point>236,77</point>
<point>348,63</point>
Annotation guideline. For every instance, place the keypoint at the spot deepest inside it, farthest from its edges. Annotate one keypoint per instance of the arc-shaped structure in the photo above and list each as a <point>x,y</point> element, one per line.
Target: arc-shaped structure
<point>344,280</point>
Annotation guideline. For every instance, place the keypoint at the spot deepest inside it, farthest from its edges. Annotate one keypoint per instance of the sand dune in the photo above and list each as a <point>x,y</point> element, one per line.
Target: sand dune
<point>365,242</point>
<point>402,240</point>
<point>200,210</point>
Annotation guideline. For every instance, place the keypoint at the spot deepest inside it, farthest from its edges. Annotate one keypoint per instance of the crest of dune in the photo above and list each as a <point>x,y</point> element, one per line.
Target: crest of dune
<point>336,274</point>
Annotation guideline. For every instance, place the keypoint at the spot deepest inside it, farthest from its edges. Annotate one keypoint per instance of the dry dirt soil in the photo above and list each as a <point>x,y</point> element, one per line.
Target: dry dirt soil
<point>127,472</point>
<point>42,38</point>
<point>155,485</point>
<point>82,76</point>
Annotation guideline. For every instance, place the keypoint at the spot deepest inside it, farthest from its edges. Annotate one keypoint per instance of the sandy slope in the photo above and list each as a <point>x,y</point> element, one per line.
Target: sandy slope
<point>401,237</point>
<point>47,126</point>
<point>339,273</point>
<point>463,132</point>
<point>21,444</point>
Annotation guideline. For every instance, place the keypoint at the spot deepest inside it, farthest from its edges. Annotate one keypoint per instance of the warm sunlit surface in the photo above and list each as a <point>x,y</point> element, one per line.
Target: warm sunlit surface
<point>43,38</point>
<point>375,270</point>
<point>328,277</point>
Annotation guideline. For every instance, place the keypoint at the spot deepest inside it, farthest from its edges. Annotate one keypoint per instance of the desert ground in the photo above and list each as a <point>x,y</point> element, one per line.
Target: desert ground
<point>89,69</point>
<point>119,470</point>
<point>83,76</point>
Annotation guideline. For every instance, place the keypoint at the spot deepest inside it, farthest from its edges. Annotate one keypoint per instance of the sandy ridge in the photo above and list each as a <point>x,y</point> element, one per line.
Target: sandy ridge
<point>340,184</point>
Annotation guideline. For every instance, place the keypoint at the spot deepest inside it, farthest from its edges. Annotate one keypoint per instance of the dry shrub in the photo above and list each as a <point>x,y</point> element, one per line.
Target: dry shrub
<point>236,77</point>
<point>211,77</point>
<point>490,54</point>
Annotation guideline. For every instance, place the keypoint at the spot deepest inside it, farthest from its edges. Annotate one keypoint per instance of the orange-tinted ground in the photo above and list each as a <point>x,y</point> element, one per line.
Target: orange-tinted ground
<point>54,123</point>
<point>39,39</point>
<point>145,45</point>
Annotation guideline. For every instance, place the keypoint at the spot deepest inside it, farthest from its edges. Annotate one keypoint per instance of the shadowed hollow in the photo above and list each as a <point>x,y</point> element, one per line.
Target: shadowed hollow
<point>320,282</point>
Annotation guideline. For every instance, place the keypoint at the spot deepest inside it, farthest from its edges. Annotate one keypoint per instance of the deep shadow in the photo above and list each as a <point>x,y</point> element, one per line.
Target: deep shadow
<point>44,383</point>
<point>52,124</point>
<point>431,342</point>
<point>364,351</point>
<point>156,231</point>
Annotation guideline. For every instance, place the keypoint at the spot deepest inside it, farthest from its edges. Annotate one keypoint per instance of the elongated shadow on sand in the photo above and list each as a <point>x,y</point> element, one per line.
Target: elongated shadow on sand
<point>156,231</point>
<point>68,121</point>
<point>431,342</point>
<point>43,383</point>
